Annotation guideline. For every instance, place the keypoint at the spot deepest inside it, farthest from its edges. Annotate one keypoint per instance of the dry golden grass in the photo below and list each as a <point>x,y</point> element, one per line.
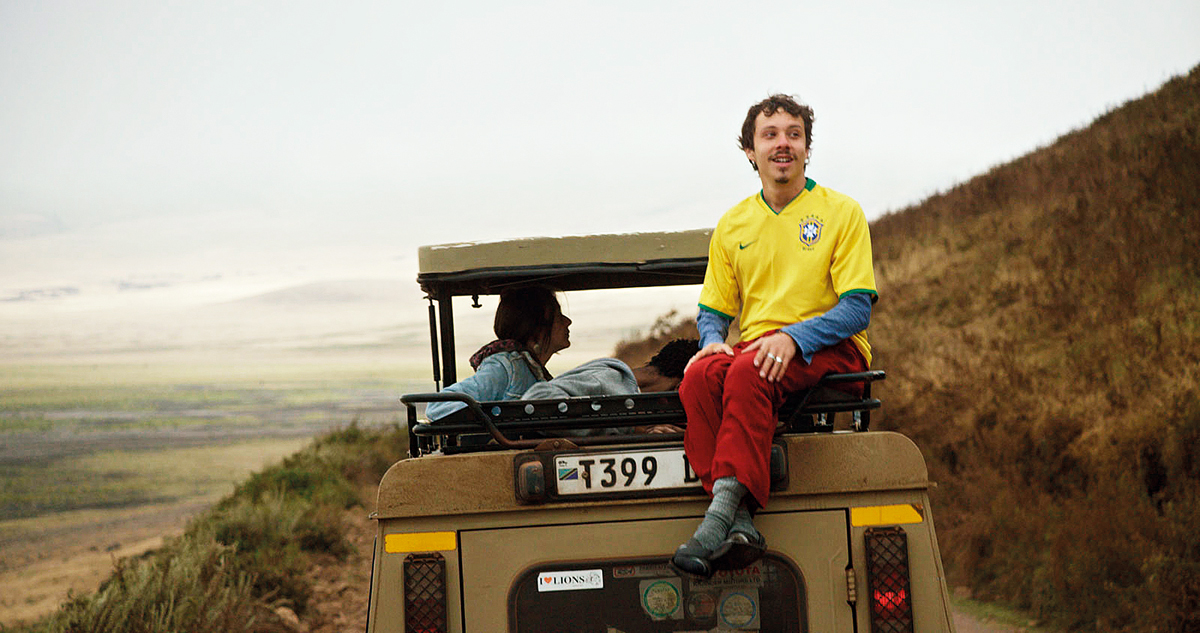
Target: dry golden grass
<point>1039,329</point>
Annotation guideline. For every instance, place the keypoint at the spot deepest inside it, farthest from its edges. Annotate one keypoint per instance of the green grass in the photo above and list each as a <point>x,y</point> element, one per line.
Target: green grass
<point>168,398</point>
<point>97,421</point>
<point>24,424</point>
<point>111,479</point>
<point>196,588</point>
<point>32,491</point>
<point>59,424</point>
<point>79,398</point>
<point>246,555</point>
<point>81,441</point>
<point>123,397</point>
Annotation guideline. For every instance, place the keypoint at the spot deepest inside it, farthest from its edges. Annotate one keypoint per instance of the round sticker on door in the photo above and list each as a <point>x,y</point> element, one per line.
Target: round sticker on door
<point>660,598</point>
<point>701,606</point>
<point>738,609</point>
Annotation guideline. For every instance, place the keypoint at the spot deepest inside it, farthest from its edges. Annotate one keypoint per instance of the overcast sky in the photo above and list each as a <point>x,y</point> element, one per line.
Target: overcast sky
<point>174,142</point>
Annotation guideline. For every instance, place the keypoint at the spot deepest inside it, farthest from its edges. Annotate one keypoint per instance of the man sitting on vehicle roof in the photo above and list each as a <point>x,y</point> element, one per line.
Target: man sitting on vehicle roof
<point>794,262</point>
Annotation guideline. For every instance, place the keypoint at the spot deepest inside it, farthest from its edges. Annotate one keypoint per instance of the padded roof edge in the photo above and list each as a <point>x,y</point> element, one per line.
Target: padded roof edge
<point>580,262</point>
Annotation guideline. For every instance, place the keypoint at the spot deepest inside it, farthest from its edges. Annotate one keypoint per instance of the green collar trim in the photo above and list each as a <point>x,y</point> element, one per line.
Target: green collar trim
<point>809,185</point>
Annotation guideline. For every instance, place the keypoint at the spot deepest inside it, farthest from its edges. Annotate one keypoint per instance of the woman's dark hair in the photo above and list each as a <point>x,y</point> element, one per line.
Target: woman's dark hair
<point>770,106</point>
<point>526,315</point>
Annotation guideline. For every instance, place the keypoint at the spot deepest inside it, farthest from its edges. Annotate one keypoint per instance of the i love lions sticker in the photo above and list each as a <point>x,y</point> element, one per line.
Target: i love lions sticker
<point>570,580</point>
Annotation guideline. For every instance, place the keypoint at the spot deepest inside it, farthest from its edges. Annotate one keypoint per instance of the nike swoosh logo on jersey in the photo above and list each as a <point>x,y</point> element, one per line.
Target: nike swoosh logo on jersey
<point>742,247</point>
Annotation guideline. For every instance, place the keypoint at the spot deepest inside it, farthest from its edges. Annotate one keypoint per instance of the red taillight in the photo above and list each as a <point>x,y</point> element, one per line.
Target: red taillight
<point>425,593</point>
<point>890,603</point>
<point>887,578</point>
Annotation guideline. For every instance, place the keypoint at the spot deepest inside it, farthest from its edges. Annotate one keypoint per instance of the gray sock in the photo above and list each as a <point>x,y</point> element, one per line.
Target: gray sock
<point>727,498</point>
<point>742,521</point>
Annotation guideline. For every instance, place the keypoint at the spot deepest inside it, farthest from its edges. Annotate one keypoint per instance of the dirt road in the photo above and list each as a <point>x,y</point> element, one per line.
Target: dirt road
<point>40,566</point>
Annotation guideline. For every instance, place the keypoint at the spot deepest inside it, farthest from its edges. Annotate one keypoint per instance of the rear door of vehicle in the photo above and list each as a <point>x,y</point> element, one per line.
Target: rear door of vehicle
<point>612,577</point>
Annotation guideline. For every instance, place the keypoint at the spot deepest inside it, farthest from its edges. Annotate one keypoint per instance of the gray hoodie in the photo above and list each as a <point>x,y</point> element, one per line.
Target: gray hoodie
<point>600,377</point>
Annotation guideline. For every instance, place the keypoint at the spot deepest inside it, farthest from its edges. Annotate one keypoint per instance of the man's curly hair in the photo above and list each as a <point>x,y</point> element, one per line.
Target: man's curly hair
<point>770,106</point>
<point>673,357</point>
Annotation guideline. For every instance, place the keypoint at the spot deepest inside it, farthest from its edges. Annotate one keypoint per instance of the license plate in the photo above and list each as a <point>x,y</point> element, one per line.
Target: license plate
<point>623,471</point>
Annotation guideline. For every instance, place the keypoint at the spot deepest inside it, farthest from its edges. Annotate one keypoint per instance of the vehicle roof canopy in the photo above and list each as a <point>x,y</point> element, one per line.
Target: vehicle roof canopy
<point>581,262</point>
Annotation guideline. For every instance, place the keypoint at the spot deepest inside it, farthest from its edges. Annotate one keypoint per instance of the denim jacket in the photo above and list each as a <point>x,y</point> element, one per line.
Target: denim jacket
<point>501,376</point>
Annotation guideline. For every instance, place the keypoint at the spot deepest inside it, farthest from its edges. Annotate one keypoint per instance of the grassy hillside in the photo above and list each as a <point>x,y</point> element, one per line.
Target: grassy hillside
<point>1039,325</point>
<point>250,561</point>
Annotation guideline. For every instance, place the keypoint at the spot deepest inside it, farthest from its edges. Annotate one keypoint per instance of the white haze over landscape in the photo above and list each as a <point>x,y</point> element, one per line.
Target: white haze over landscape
<point>239,176</point>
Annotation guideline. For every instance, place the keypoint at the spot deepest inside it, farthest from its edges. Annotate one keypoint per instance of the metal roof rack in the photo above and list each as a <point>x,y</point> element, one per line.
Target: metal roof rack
<point>529,423</point>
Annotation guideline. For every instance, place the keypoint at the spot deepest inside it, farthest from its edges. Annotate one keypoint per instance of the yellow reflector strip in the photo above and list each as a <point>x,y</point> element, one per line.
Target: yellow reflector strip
<point>420,542</point>
<point>885,515</point>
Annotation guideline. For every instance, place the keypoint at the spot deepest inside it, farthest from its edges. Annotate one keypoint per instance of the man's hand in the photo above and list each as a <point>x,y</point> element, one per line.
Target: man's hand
<point>711,348</point>
<point>772,355</point>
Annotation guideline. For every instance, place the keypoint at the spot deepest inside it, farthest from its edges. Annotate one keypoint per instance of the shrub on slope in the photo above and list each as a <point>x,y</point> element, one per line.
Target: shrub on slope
<point>247,555</point>
<point>1039,327</point>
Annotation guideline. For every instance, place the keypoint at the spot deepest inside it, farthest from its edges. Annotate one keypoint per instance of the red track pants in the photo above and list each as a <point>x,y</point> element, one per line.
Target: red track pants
<point>731,411</point>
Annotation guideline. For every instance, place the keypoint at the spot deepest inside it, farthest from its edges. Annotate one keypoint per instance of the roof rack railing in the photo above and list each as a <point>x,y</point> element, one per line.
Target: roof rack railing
<point>528,423</point>
<point>814,410</point>
<point>513,424</point>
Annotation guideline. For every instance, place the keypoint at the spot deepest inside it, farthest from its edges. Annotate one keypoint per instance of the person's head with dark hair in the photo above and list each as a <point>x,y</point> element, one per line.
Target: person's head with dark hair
<point>767,108</point>
<point>532,316</point>
<point>664,371</point>
<point>671,360</point>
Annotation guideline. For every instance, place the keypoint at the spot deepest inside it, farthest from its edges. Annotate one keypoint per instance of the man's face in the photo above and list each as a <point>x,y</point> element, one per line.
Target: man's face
<point>650,380</point>
<point>780,147</point>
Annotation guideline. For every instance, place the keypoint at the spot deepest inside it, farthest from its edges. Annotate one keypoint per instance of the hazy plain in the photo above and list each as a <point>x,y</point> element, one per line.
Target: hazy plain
<point>124,415</point>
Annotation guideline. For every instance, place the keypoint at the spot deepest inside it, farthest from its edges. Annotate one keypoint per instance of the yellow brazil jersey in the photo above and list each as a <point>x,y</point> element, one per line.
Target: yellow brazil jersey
<point>780,268</point>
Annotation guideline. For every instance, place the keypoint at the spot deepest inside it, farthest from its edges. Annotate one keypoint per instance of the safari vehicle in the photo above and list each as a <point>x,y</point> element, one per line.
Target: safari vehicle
<point>528,532</point>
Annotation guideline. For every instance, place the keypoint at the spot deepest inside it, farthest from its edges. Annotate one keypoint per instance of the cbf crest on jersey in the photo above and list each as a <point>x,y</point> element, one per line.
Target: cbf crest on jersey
<point>810,231</point>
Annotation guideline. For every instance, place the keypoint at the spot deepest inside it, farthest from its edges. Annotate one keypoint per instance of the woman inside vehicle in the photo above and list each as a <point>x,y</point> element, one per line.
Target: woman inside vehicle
<point>530,328</point>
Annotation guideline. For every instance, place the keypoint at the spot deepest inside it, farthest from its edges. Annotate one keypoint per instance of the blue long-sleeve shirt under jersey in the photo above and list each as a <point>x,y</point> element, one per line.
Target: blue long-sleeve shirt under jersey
<point>850,316</point>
